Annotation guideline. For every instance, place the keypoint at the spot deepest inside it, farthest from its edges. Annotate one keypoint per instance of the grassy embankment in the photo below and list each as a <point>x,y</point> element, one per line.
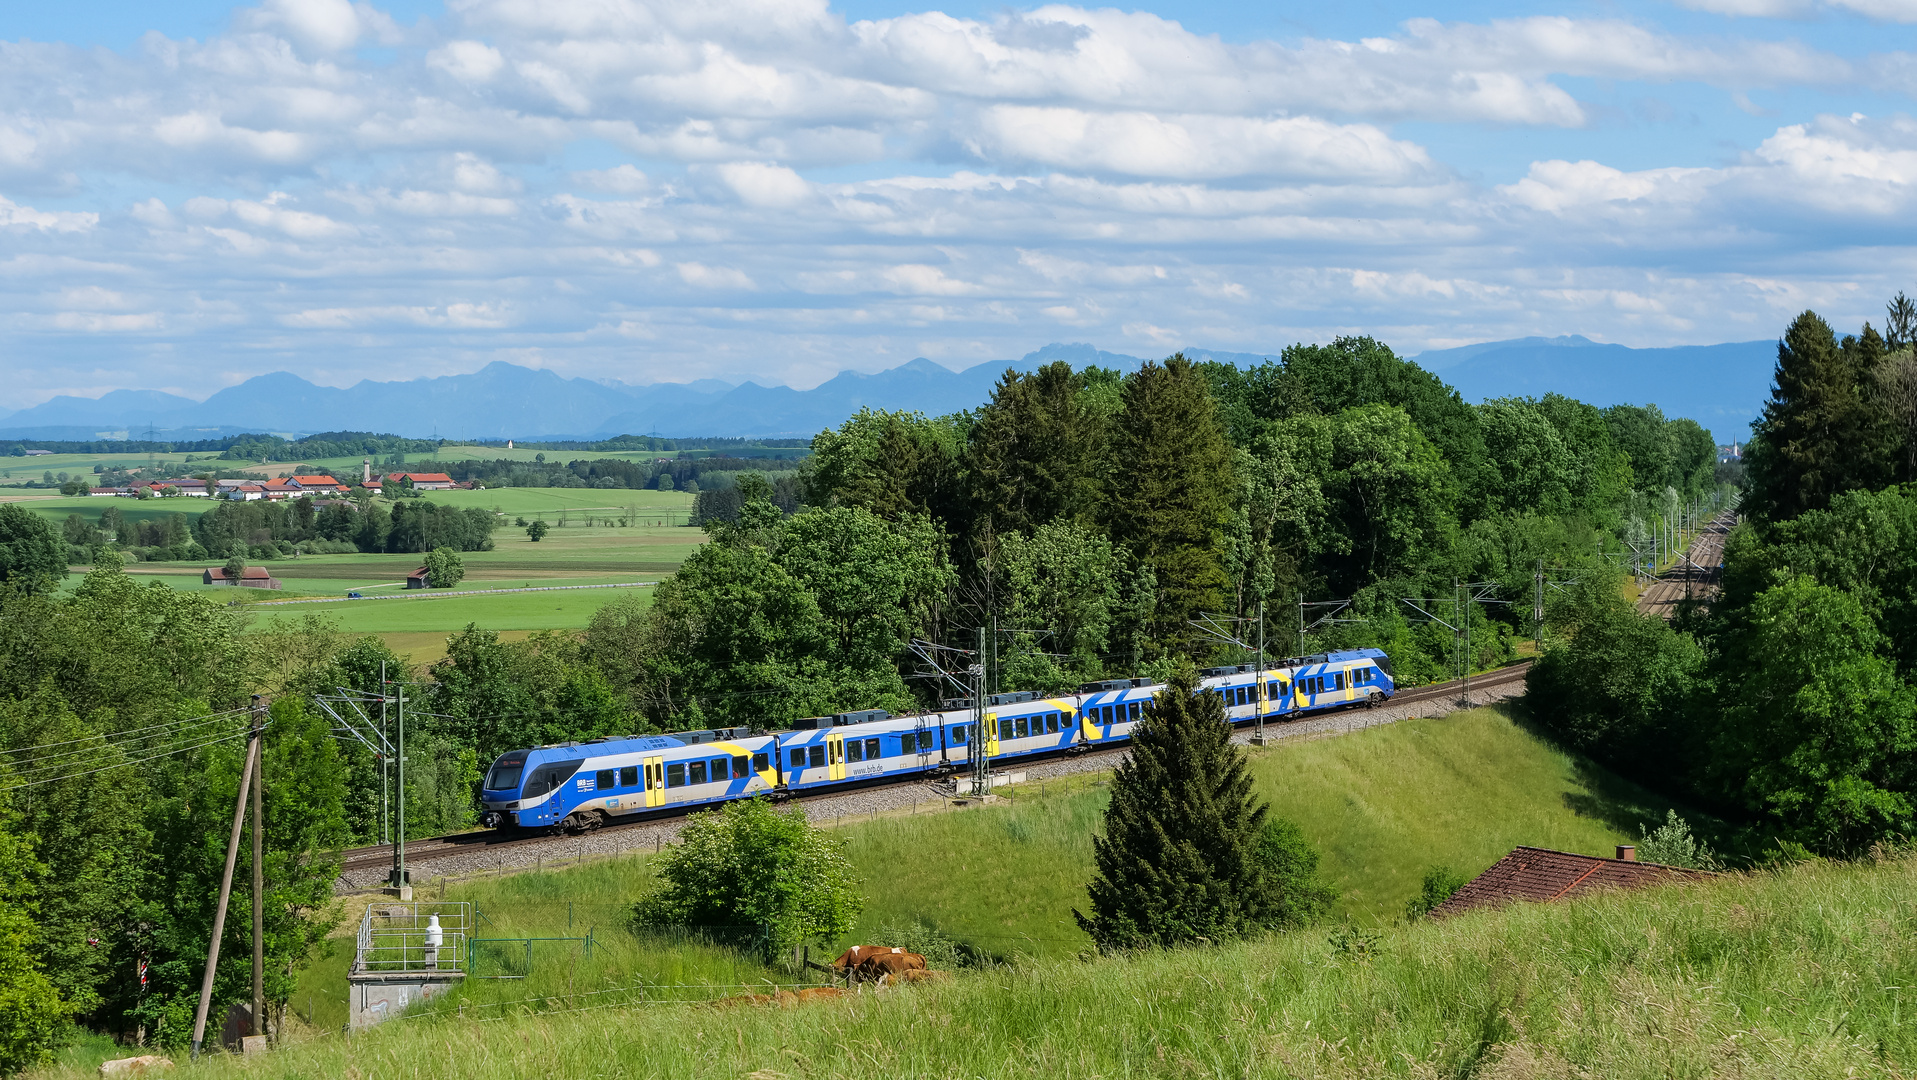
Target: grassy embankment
<point>1797,973</point>
<point>1382,805</point>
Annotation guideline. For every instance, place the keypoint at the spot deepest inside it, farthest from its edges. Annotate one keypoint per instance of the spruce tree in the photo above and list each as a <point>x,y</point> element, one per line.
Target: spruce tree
<point>1171,492</point>
<point>1819,436</point>
<point>1180,858</point>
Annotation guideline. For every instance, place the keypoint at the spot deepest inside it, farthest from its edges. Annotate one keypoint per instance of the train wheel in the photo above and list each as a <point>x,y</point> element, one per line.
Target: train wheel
<point>584,821</point>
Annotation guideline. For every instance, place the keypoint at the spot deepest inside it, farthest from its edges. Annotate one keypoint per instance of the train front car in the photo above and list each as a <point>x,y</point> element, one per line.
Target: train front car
<point>580,786</point>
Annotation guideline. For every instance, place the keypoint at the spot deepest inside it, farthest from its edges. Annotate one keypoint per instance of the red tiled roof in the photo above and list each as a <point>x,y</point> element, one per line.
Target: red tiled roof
<point>1542,876</point>
<point>421,477</point>
<point>279,483</point>
<point>320,480</point>
<point>250,573</point>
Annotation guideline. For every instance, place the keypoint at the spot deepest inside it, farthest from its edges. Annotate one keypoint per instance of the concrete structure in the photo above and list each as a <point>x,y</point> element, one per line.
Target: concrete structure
<point>406,953</point>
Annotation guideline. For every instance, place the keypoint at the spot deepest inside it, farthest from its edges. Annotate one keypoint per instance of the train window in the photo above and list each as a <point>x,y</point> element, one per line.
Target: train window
<point>958,735</point>
<point>1134,709</point>
<point>740,768</point>
<point>629,776</point>
<point>1004,729</point>
<point>798,757</point>
<point>719,769</point>
<point>872,750</point>
<point>1051,723</point>
<point>695,772</point>
<point>606,780</point>
<point>925,740</point>
<point>1021,727</point>
<point>761,762</point>
<point>505,775</point>
<point>854,750</point>
<point>547,778</point>
<point>676,774</point>
<point>1338,681</point>
<point>817,755</point>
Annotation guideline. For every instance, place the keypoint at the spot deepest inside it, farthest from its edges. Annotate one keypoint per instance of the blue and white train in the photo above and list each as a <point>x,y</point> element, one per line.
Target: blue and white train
<point>581,786</point>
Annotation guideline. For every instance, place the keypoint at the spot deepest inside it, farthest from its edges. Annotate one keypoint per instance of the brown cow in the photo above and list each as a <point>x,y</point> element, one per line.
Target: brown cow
<point>887,966</point>
<point>924,976</point>
<point>849,959</point>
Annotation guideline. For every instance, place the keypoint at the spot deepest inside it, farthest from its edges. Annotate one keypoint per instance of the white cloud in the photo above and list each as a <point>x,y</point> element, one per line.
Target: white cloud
<point>49,220</point>
<point>805,194</point>
<point>761,185</point>
<point>467,61</point>
<point>701,276</point>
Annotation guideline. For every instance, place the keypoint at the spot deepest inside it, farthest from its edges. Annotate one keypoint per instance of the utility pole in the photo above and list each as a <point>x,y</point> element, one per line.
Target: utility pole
<point>259,873</point>
<point>1537,607</point>
<point>400,884</point>
<point>226,893</point>
<point>1258,696</point>
<point>981,760</point>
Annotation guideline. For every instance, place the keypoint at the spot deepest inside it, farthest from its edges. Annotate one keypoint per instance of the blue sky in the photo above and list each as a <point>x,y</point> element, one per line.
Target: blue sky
<point>193,193</point>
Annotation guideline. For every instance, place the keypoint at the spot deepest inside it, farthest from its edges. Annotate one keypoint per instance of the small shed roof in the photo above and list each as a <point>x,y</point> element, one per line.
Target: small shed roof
<point>251,573</point>
<point>1542,876</point>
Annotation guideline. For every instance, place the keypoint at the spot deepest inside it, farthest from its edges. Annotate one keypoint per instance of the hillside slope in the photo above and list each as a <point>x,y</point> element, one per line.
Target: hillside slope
<point>1794,974</point>
<point>1382,805</point>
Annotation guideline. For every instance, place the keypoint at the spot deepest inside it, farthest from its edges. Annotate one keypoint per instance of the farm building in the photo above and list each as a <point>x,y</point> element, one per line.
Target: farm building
<point>422,481</point>
<point>253,577</point>
<point>418,579</point>
<point>1542,876</point>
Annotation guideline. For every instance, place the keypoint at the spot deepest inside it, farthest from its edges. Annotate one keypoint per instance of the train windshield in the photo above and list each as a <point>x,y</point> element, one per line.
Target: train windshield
<point>506,773</point>
<point>548,777</point>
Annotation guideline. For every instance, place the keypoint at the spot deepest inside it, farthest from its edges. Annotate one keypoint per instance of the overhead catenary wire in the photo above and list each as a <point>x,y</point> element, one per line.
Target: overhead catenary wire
<point>125,734</point>
<point>129,762</point>
<point>83,754</point>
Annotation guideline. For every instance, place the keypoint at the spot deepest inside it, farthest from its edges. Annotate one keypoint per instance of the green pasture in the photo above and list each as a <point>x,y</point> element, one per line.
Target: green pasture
<point>58,507</point>
<point>1796,973</point>
<point>449,611</point>
<point>674,507</point>
<point>15,470</point>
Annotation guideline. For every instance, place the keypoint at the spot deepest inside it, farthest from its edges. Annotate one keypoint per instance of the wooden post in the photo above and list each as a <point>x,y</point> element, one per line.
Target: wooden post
<point>226,892</point>
<point>259,873</point>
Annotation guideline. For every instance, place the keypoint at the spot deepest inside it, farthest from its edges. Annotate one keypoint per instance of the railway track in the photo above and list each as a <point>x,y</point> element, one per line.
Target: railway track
<point>1695,575</point>
<point>433,849</point>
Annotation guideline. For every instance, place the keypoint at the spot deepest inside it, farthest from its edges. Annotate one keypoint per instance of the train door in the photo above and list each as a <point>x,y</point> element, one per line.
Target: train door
<point>835,755</point>
<point>655,781</point>
<point>991,735</point>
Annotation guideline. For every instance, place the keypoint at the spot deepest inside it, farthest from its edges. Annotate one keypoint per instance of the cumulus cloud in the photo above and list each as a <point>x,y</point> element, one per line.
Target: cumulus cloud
<point>637,189</point>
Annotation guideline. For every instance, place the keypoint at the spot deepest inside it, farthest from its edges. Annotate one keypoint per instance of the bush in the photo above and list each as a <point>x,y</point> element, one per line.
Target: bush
<point>537,531</point>
<point>1440,884</point>
<point>1293,895</point>
<point>443,568</point>
<point>1671,844</point>
<point>755,875</point>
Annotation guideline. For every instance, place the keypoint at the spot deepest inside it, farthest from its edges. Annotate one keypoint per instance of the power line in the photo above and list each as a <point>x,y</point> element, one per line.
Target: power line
<point>69,758</point>
<point>121,734</point>
<point>128,763</point>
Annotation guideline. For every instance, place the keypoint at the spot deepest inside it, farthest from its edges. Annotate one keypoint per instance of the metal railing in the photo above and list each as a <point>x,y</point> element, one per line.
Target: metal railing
<point>399,938</point>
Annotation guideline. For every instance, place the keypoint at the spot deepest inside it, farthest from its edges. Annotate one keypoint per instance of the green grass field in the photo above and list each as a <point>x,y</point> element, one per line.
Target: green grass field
<point>1381,804</point>
<point>17,470</point>
<point>565,610</point>
<point>1799,973</point>
<point>56,508</point>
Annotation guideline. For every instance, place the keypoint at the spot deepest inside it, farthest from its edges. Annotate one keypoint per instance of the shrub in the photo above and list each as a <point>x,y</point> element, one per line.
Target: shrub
<point>1440,884</point>
<point>755,875</point>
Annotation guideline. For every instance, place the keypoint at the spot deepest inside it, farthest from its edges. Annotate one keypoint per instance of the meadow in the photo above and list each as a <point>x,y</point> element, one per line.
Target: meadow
<point>1382,805</point>
<point>1797,972</point>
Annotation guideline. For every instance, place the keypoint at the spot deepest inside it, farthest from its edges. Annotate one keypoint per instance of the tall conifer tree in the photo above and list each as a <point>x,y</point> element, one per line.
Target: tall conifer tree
<point>1819,436</point>
<point>1171,494</point>
<point>1179,860</point>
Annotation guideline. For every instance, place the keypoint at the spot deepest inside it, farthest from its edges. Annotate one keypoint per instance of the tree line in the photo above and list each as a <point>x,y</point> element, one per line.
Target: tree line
<point>1789,703</point>
<point>1085,518</point>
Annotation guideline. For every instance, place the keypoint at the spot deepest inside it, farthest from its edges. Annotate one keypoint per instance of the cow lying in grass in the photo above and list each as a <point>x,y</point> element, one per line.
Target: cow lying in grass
<point>889,966</point>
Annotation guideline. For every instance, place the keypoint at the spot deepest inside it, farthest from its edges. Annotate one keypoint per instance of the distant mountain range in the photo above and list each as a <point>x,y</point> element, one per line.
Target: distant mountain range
<point>1721,386</point>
